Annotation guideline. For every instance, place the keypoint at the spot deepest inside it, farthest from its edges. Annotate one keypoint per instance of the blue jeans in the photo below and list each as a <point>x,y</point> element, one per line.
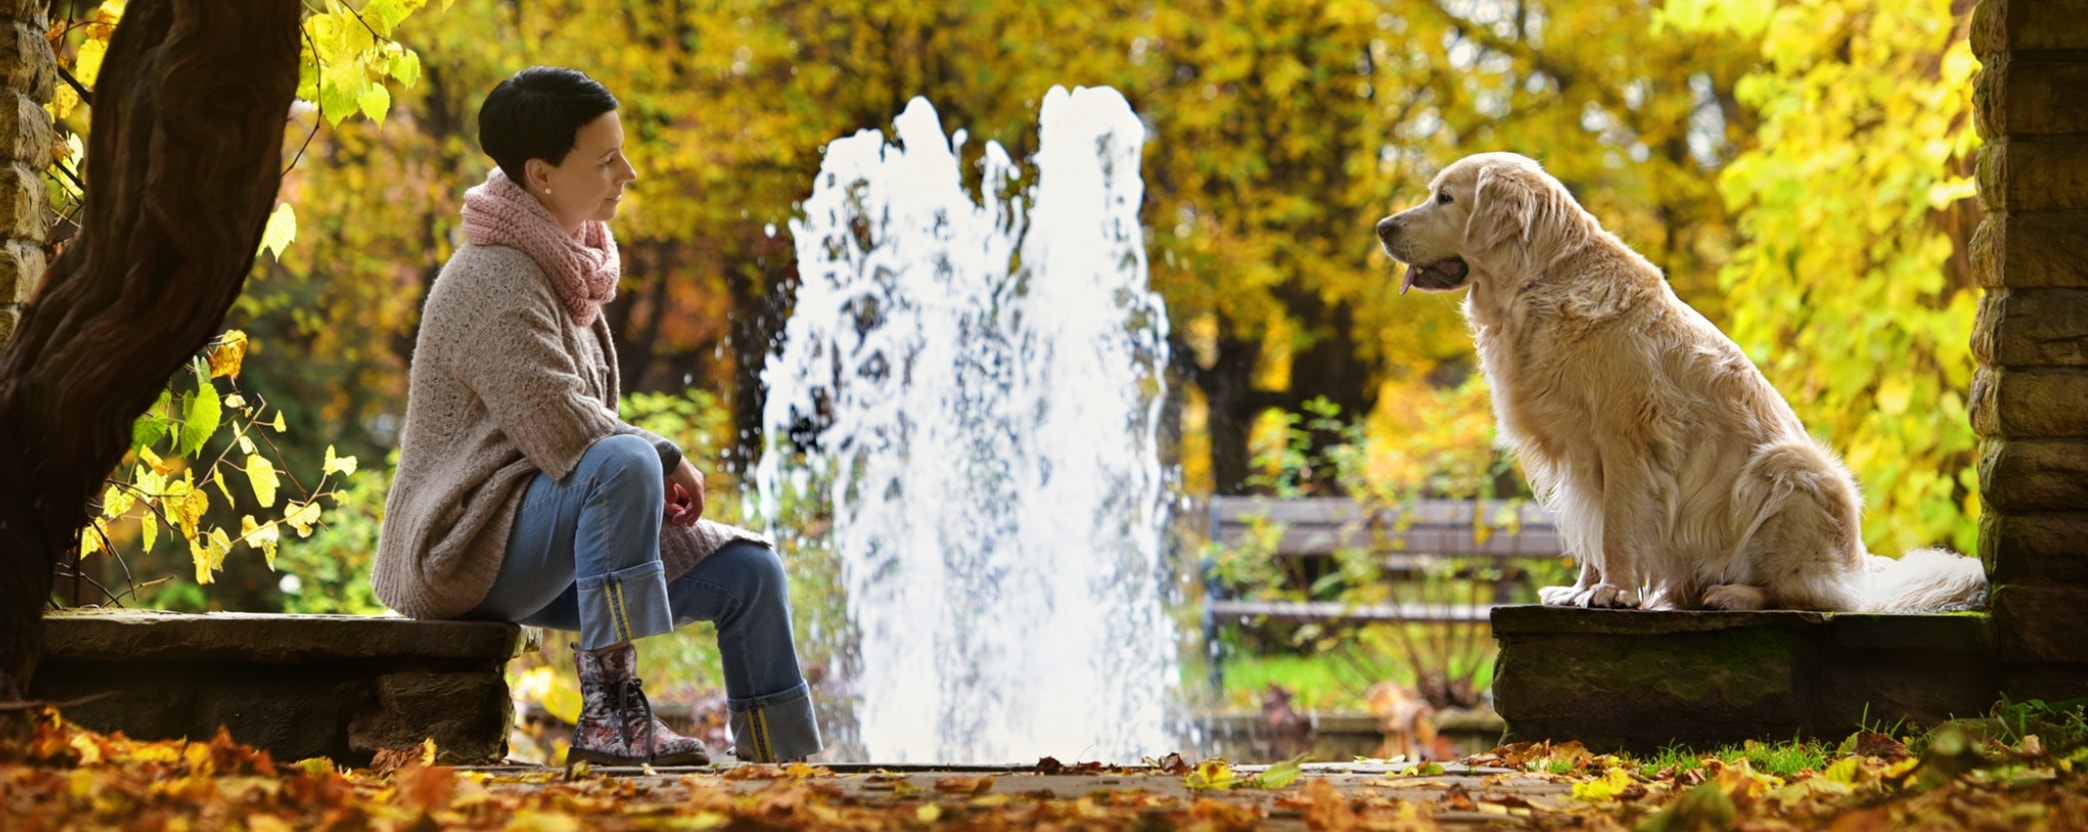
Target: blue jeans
<point>585,555</point>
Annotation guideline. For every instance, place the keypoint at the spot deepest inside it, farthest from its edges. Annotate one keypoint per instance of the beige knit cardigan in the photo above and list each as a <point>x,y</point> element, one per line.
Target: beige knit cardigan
<point>503,384</point>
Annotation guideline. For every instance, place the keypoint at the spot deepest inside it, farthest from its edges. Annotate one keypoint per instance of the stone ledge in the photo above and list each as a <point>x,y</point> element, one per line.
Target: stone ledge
<point>336,686</point>
<point>270,639</point>
<point>1641,680</point>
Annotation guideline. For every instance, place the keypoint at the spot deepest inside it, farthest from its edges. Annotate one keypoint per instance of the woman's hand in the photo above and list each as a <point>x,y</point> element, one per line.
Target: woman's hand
<point>685,495</point>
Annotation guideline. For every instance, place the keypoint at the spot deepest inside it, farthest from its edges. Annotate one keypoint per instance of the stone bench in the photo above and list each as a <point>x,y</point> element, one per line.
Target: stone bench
<point>1639,680</point>
<point>337,686</point>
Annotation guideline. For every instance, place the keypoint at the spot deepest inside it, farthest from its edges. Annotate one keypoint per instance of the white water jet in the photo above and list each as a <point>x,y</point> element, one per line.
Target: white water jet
<point>975,384</point>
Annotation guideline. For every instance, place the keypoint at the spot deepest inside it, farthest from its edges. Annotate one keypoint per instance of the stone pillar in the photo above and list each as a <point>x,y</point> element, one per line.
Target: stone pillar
<point>26,73</point>
<point>2030,393</point>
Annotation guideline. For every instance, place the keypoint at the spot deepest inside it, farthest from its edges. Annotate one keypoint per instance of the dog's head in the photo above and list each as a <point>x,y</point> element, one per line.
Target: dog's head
<point>1488,213</point>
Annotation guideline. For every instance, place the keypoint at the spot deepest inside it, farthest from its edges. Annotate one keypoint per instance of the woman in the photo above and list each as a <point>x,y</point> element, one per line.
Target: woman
<point>520,495</point>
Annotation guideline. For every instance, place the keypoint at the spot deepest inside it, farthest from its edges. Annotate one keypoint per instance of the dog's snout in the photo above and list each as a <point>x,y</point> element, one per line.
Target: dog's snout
<point>1388,228</point>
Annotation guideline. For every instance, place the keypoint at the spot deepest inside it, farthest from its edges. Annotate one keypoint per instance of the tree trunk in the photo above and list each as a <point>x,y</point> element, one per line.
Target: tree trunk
<point>183,162</point>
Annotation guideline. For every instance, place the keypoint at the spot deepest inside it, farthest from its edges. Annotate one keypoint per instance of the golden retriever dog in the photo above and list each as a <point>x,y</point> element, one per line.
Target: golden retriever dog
<point>1677,476</point>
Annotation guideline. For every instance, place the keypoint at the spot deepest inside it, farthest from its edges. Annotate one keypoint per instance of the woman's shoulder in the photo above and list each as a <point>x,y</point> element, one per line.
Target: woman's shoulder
<point>478,275</point>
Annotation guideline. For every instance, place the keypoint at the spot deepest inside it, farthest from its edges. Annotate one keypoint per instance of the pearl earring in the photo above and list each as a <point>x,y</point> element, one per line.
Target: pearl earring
<point>547,191</point>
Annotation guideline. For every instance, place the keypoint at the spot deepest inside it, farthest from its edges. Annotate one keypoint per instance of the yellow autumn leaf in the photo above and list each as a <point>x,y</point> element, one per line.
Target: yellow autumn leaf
<point>1214,773</point>
<point>90,539</point>
<point>343,465</point>
<point>148,532</point>
<point>89,752</point>
<point>1609,787</point>
<point>220,543</point>
<point>116,500</point>
<point>302,516</point>
<point>261,474</point>
<point>278,425</point>
<point>229,354</point>
<point>258,536</point>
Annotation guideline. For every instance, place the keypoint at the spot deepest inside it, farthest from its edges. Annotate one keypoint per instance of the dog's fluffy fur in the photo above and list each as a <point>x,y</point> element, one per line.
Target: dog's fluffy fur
<point>1677,476</point>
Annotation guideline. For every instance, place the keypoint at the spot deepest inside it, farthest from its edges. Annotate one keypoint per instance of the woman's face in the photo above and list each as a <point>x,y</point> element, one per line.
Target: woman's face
<point>590,182</point>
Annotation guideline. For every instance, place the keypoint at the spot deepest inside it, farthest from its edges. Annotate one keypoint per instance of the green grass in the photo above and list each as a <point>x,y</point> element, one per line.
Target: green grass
<point>1335,675</point>
<point>1782,759</point>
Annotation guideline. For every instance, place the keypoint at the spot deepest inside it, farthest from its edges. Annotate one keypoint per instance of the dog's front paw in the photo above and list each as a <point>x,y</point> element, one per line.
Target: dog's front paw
<point>1611,596</point>
<point>1560,596</point>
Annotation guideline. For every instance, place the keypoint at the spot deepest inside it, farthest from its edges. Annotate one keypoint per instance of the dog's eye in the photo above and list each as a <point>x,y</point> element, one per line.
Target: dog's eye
<point>1443,197</point>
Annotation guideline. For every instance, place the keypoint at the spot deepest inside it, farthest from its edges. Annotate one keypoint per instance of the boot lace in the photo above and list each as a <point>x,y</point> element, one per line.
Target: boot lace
<point>631,706</point>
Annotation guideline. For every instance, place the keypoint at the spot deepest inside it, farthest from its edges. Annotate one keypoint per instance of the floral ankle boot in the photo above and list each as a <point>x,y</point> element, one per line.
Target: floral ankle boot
<point>617,726</point>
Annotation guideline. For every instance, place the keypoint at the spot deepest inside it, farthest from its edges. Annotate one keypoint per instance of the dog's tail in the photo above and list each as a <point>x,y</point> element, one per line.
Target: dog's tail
<point>1923,580</point>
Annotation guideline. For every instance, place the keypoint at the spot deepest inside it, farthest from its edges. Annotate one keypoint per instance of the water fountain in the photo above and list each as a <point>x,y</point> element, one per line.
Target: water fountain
<point>974,383</point>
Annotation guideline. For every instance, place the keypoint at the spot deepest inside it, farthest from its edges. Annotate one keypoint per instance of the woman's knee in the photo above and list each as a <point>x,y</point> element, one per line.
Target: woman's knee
<point>626,458</point>
<point>759,568</point>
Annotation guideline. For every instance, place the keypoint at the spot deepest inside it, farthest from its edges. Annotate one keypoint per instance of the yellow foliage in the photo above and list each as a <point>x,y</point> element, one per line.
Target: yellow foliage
<point>1850,289</point>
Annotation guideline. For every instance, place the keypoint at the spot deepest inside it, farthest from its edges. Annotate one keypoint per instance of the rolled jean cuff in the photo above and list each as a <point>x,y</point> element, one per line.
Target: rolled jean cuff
<point>779,726</point>
<point>624,605</point>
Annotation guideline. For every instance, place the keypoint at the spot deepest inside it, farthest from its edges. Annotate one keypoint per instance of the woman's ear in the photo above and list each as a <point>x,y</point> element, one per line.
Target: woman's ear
<point>1504,205</point>
<point>538,172</point>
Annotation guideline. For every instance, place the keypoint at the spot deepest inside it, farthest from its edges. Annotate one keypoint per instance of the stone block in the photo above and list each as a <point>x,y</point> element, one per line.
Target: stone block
<point>2041,173</point>
<point>466,714</point>
<point>2030,93</point>
<point>10,317</point>
<point>2041,625</point>
<point>2021,476</point>
<point>21,271</point>
<point>2029,403</point>
<point>25,131</point>
<point>2032,328</point>
<point>2035,548</point>
<point>21,202</point>
<point>2028,25</point>
<point>35,13</point>
<point>2050,683</point>
<point>2032,250</point>
<point>26,63</point>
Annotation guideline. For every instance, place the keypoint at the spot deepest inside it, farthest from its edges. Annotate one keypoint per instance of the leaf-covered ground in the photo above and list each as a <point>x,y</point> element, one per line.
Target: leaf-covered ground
<point>1987,775</point>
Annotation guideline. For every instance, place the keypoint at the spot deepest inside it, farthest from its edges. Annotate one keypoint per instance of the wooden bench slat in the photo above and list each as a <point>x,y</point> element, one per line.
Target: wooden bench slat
<point>1337,612</point>
<point>1338,510</point>
<point>1298,542</point>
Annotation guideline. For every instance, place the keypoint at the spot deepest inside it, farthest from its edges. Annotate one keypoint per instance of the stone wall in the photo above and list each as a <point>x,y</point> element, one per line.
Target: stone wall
<point>2030,394</point>
<point>27,70</point>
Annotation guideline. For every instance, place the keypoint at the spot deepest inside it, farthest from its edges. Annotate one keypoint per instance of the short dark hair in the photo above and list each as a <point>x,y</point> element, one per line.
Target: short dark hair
<point>537,114</point>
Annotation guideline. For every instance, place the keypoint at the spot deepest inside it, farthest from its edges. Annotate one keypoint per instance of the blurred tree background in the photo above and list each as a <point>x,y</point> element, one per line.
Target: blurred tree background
<point>1798,167</point>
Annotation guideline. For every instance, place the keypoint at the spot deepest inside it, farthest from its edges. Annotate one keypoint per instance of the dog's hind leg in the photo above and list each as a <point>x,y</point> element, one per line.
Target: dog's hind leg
<point>1807,541</point>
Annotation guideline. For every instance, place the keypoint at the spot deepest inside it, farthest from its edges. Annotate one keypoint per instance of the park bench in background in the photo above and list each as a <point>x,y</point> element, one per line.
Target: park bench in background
<point>1403,539</point>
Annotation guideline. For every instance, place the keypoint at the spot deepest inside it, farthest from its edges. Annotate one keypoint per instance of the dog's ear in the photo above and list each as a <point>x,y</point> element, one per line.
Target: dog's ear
<point>1504,205</point>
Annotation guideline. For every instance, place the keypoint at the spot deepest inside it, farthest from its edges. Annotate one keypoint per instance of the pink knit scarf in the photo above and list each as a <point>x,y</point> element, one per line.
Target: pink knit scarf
<point>583,269</point>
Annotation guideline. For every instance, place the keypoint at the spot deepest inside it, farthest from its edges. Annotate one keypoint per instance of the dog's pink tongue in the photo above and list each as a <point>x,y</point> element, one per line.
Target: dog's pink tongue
<point>1408,283</point>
